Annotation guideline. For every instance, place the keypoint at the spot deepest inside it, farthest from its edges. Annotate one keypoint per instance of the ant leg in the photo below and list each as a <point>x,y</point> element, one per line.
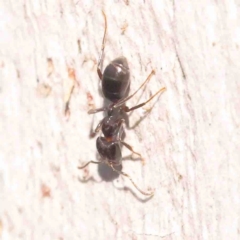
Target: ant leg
<point>102,49</point>
<point>126,109</point>
<point>99,72</point>
<point>126,175</point>
<point>85,165</point>
<point>131,149</point>
<point>121,102</point>
<point>120,129</point>
<point>97,129</point>
<point>96,110</point>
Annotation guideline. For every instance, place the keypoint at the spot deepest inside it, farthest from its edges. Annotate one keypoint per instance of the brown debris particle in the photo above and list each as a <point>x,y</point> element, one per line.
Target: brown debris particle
<point>50,68</point>
<point>70,88</point>
<point>124,27</point>
<point>44,89</point>
<point>91,104</point>
<point>46,191</point>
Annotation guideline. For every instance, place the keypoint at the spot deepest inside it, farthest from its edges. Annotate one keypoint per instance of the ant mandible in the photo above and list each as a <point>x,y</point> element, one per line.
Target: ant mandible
<point>115,87</point>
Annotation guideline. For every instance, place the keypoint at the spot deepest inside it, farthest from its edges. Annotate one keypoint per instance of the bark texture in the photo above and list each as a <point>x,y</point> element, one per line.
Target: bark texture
<point>189,140</point>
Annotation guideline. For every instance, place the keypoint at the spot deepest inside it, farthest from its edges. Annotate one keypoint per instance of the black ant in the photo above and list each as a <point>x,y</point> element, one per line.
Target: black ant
<point>115,87</point>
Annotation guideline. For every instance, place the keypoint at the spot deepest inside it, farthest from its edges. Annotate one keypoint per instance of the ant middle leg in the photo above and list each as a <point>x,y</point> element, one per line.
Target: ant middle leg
<point>134,184</point>
<point>102,48</point>
<point>119,138</point>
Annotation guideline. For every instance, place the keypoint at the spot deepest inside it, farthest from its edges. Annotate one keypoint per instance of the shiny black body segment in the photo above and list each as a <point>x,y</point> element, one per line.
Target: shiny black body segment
<point>115,81</point>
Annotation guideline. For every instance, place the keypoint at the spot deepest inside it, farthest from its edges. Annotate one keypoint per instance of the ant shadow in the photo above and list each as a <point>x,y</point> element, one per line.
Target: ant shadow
<point>135,195</point>
<point>108,175</point>
<point>106,172</point>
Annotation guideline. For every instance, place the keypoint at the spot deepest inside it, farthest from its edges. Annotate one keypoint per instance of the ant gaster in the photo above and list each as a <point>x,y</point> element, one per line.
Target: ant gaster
<point>115,87</point>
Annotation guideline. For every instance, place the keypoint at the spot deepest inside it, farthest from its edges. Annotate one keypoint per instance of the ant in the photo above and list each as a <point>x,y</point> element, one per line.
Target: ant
<point>115,87</point>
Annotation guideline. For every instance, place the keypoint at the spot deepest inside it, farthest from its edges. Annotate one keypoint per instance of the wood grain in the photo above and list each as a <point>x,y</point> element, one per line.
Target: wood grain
<point>189,140</point>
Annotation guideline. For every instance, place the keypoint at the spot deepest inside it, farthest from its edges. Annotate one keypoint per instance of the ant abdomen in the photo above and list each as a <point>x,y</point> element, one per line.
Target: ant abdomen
<point>115,81</point>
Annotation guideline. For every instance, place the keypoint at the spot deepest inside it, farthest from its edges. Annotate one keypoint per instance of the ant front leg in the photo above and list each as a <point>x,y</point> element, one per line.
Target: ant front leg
<point>102,49</point>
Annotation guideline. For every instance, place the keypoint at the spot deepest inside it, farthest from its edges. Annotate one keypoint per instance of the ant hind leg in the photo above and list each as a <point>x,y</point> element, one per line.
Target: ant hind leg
<point>85,165</point>
<point>131,149</point>
<point>102,48</point>
<point>126,175</point>
<point>126,109</point>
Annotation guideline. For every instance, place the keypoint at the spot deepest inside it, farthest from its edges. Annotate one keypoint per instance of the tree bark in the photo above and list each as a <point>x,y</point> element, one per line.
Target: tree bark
<point>189,140</point>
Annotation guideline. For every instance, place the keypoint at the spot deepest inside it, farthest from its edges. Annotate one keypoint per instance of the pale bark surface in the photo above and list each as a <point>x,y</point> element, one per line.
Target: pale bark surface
<point>190,140</point>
